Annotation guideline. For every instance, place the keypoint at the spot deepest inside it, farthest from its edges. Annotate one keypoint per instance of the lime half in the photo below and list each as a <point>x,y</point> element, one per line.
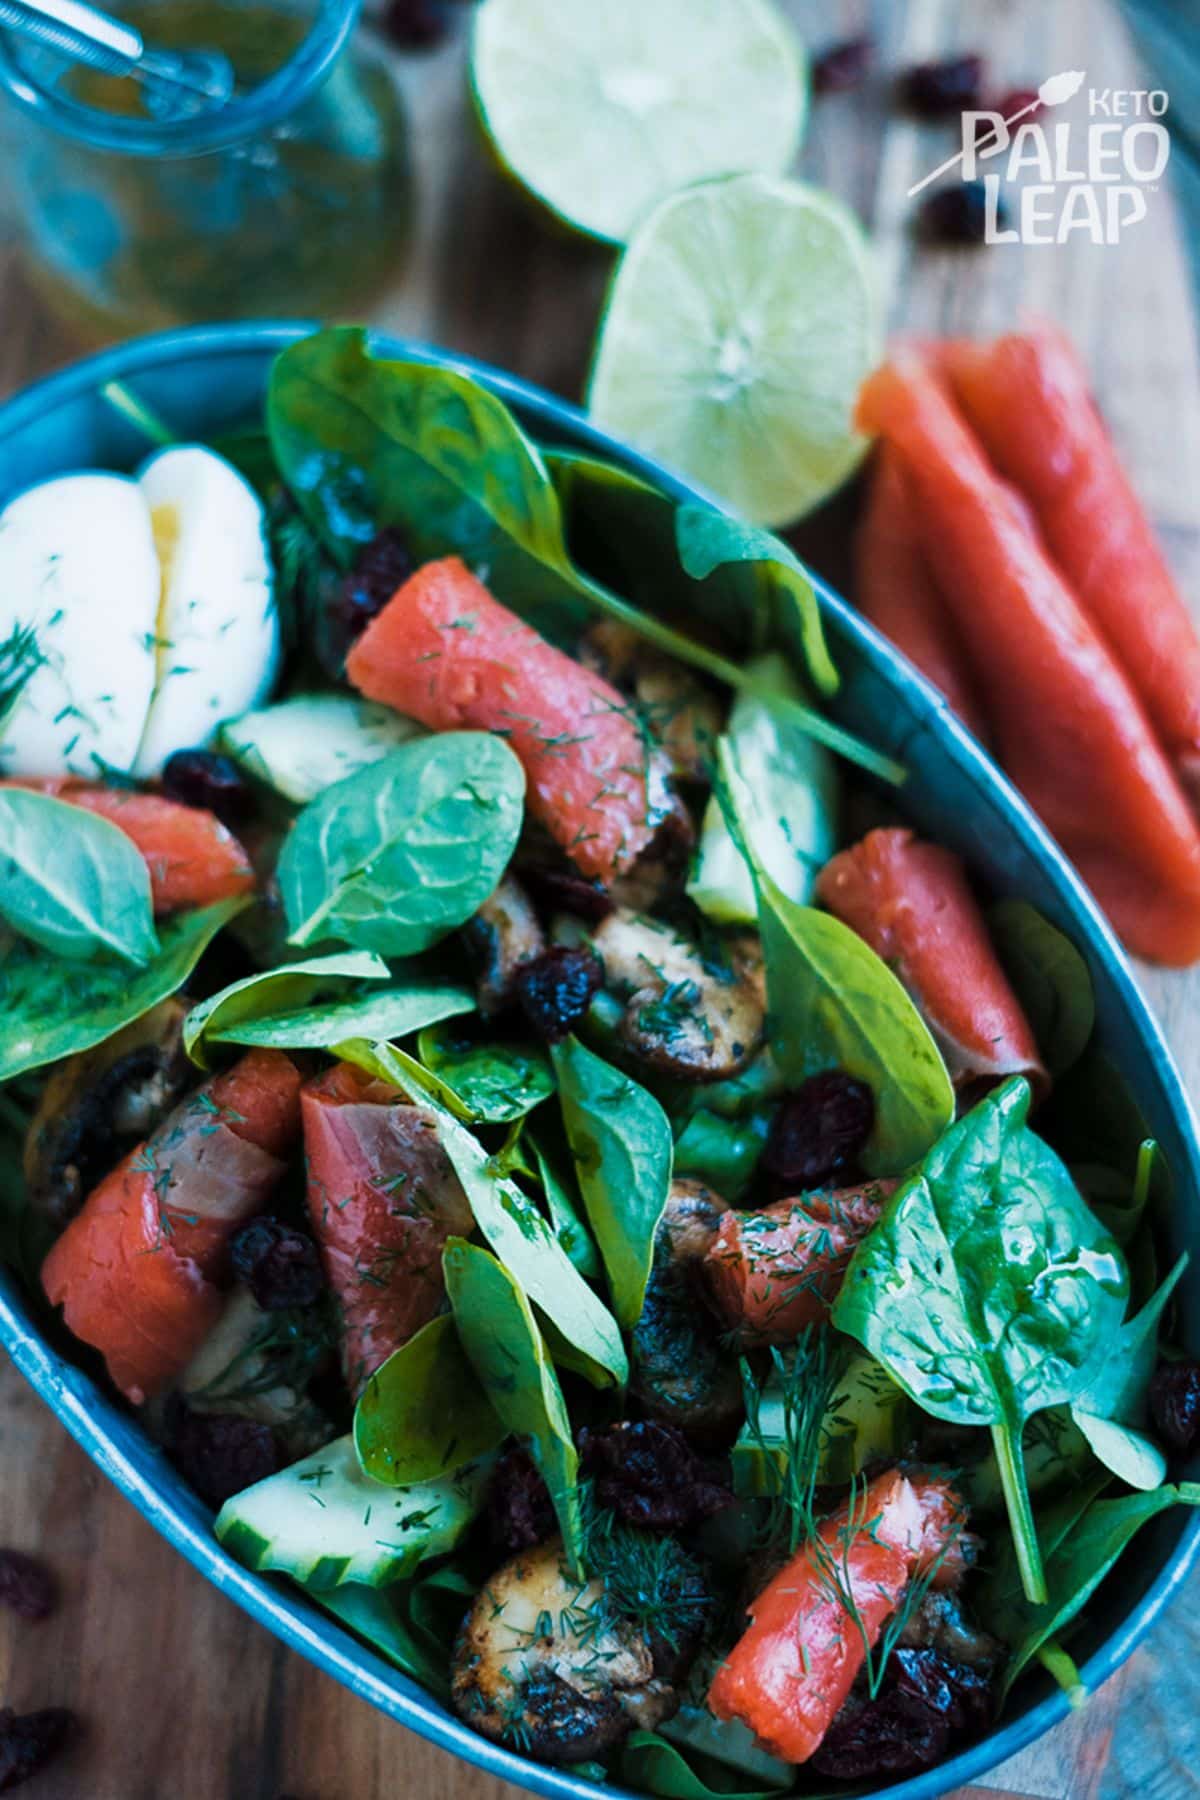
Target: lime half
<point>741,322</point>
<point>603,107</point>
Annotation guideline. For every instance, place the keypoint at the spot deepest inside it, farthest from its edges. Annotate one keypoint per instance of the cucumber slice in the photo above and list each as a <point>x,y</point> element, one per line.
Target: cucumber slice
<point>303,745</point>
<point>324,1522</point>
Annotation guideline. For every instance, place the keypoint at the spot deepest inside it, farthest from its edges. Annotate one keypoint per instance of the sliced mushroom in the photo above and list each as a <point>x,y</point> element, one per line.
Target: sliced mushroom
<point>941,1623</point>
<point>255,1365</point>
<point>661,871</point>
<point>681,1372</point>
<point>683,715</point>
<point>542,1665</point>
<point>686,1017</point>
<point>503,935</point>
<point>99,1104</point>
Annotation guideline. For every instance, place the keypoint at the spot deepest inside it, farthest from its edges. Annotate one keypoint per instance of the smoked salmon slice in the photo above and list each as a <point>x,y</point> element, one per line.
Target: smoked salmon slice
<point>911,902</point>
<point>895,588</point>
<point>772,1272</point>
<point>790,1673</point>
<point>138,1271</point>
<point>445,652</point>
<point>192,858</point>
<point>383,1198</point>
<point>1028,400</point>
<point>1068,727</point>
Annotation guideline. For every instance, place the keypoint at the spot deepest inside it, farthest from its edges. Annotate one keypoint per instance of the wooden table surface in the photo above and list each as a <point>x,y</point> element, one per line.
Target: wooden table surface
<point>184,1698</point>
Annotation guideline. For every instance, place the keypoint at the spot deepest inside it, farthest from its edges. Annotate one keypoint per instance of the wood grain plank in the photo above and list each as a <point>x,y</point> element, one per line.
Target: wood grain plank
<point>187,1700</point>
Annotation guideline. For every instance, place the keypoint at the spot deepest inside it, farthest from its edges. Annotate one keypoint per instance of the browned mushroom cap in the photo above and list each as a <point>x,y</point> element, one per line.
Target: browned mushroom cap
<point>686,1017</point>
<point>681,712</point>
<point>542,1665</point>
<point>99,1104</point>
<point>682,1374</point>
<point>660,872</point>
<point>503,935</point>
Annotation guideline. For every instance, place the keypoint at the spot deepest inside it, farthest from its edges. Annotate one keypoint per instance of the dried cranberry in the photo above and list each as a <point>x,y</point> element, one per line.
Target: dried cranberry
<point>958,214</point>
<point>282,1266</point>
<point>381,567</point>
<point>29,1740</point>
<point>925,1704</point>
<point>564,890</point>
<point>556,989</point>
<point>647,1474</point>
<point>939,90</point>
<point>220,1453</point>
<point>1175,1404</point>
<point>416,24</point>
<point>208,779</point>
<point>27,1586</point>
<point>819,1130</point>
<point>520,1512</point>
<point>842,66</point>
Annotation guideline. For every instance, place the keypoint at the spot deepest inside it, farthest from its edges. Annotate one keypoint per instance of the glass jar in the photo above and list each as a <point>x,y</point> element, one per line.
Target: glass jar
<point>291,197</point>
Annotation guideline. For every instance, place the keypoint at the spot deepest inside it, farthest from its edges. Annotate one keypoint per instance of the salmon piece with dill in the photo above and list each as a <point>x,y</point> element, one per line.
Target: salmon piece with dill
<point>444,652</point>
<point>383,1198</point>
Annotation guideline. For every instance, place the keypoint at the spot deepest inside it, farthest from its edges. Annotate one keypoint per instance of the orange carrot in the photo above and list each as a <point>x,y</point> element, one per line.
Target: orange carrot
<point>1028,399</point>
<point>790,1673</point>
<point>445,652</point>
<point>896,590</point>
<point>383,1199</point>
<point>192,858</point>
<point>911,903</point>
<point>774,1271</point>
<point>1069,729</point>
<point>138,1270</point>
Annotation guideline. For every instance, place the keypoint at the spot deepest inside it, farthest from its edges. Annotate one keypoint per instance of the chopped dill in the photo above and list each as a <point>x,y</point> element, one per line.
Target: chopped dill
<point>20,659</point>
<point>649,1581</point>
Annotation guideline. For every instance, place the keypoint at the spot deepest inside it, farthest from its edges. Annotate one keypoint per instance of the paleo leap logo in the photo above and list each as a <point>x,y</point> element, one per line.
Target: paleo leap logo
<point>1042,183</point>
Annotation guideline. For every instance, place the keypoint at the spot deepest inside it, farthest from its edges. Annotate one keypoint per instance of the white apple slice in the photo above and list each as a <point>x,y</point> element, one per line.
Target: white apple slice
<point>218,629</point>
<point>303,745</point>
<point>78,567</point>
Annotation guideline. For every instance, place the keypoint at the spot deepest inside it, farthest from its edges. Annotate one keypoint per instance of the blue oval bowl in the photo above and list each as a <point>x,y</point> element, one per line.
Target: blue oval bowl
<point>208,379</point>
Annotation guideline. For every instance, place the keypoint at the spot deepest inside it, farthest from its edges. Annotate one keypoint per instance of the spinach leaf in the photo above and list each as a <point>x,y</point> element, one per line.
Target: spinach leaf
<point>988,1289</point>
<point>1051,981</point>
<point>495,1083</point>
<point>71,882</point>
<point>363,442</point>
<point>1081,1544</point>
<point>653,1766</point>
<point>404,851</point>
<point>776,586</point>
<point>512,1224</point>
<point>423,1414</point>
<point>379,1617</point>
<point>621,1141</point>
<point>835,1003</point>
<point>690,560</point>
<point>787,801</point>
<point>727,1742</point>
<point>291,985</point>
<point>723,1152</point>
<point>1114,1407</point>
<point>501,1340</point>
<point>565,1219</point>
<point>51,1010</point>
<point>390,1010</point>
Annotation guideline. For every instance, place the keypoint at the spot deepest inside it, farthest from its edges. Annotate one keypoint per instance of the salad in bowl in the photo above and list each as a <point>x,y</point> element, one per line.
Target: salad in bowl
<point>518,1101</point>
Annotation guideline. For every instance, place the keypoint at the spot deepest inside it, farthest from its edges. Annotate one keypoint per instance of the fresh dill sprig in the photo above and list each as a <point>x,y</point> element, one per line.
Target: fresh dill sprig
<point>806,1389</point>
<point>20,659</point>
<point>650,1581</point>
